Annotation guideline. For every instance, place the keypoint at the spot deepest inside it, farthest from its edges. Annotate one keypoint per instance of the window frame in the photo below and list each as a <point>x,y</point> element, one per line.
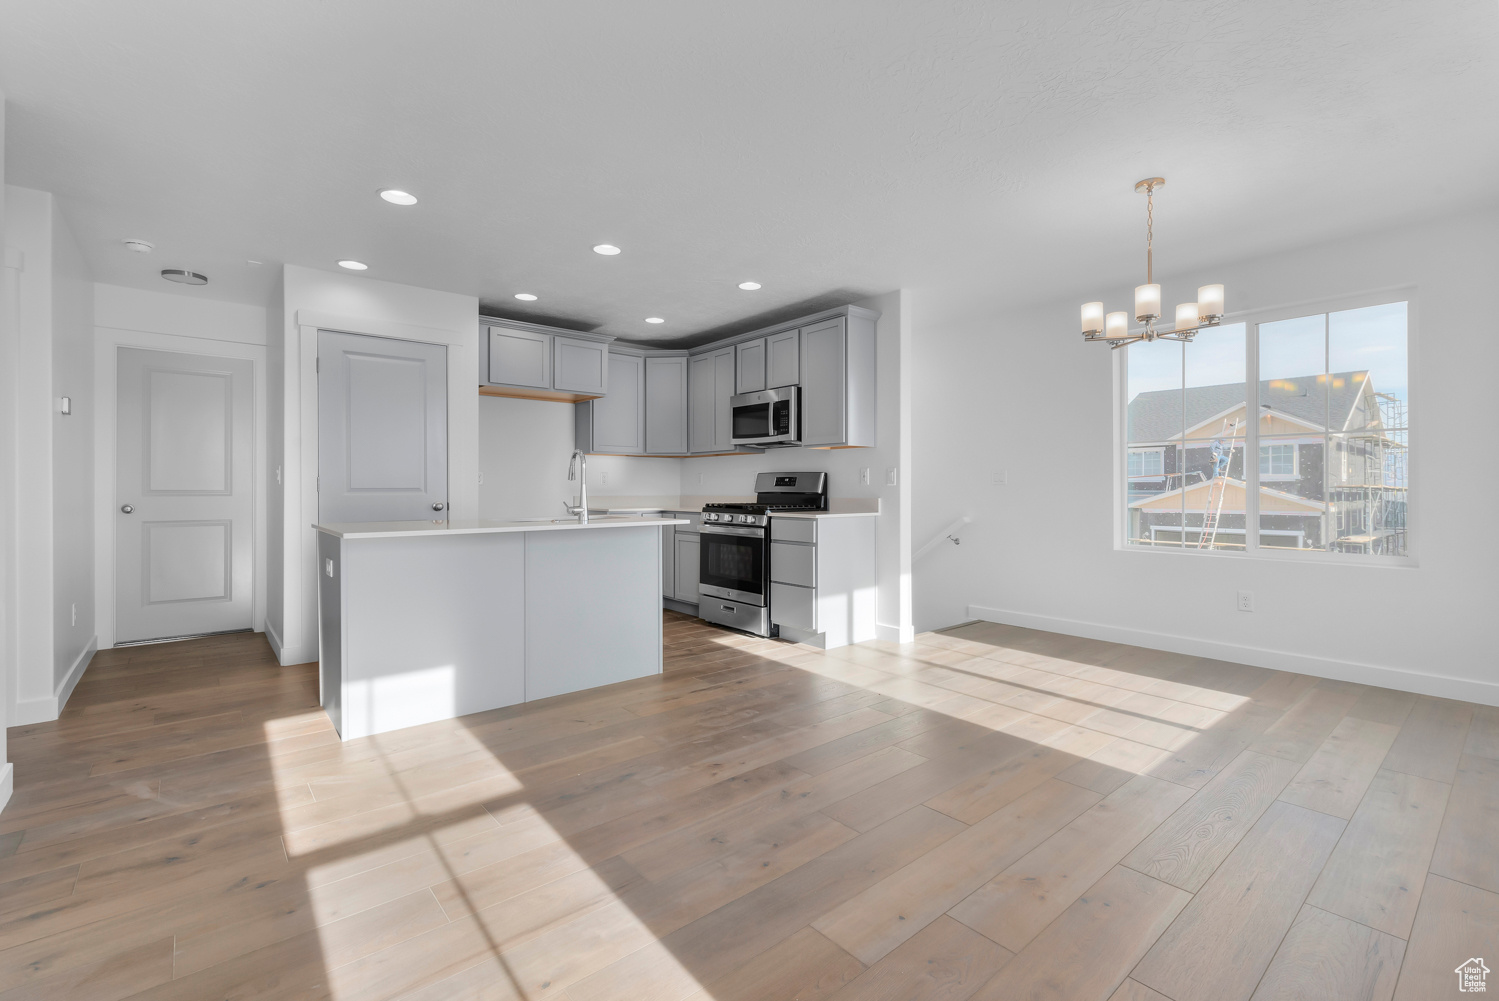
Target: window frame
<point>1159,451</point>
<point>1252,319</point>
<point>1295,473</point>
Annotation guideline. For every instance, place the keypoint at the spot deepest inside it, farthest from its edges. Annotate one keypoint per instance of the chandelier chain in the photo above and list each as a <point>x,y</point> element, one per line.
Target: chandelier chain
<point>1150,234</point>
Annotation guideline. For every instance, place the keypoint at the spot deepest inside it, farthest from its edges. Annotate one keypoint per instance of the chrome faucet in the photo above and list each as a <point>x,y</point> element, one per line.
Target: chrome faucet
<point>577,469</point>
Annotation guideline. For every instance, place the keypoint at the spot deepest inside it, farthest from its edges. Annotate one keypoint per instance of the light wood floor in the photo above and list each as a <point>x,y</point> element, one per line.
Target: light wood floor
<point>990,812</point>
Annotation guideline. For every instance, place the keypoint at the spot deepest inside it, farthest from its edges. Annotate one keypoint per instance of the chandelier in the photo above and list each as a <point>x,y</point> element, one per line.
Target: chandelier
<point>1191,317</point>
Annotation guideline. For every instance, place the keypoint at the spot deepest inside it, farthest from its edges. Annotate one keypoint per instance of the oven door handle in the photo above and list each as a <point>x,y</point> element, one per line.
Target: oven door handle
<point>727,530</point>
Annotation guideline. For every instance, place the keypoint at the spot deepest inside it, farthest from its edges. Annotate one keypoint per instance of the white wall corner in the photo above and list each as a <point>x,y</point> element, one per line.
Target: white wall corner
<point>1439,686</point>
<point>895,634</point>
<point>274,639</point>
<point>75,674</point>
<point>28,711</point>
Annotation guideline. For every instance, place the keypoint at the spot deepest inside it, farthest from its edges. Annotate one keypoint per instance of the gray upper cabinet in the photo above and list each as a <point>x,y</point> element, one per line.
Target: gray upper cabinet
<point>783,359</point>
<point>702,403</point>
<point>750,367</point>
<point>838,381</point>
<point>665,405</point>
<point>520,358</point>
<point>710,388</point>
<point>615,423</point>
<point>580,366</point>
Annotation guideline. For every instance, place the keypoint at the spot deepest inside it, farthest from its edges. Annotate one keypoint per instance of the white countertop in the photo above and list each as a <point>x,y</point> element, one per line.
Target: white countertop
<point>846,507</point>
<point>403,529</point>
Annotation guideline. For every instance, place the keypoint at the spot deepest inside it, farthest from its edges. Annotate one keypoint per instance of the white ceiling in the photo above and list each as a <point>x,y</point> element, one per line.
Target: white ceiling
<point>826,149</point>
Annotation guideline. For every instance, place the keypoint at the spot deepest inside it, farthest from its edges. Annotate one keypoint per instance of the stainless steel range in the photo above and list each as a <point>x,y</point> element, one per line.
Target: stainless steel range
<point>734,568</point>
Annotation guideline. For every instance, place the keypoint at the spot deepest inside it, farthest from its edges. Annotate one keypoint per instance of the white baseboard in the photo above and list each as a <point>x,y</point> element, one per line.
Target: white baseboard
<point>1438,685</point>
<point>894,634</point>
<point>274,639</point>
<point>50,707</point>
<point>7,783</point>
<point>75,674</point>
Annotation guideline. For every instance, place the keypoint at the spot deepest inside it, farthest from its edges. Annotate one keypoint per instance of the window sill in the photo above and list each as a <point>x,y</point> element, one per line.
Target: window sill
<point>1309,557</point>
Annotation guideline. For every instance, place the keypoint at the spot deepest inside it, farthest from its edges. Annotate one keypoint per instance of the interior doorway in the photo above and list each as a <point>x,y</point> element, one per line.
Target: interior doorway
<point>184,503</point>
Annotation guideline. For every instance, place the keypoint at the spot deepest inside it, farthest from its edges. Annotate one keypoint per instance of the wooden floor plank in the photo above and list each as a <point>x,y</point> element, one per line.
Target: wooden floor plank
<point>1376,874</point>
<point>1431,739</point>
<point>1454,920</point>
<point>1086,953</point>
<point>1194,841</point>
<point>1328,957</point>
<point>1466,847</point>
<point>1220,946</point>
<point>1027,896</point>
<point>1334,779</point>
<point>945,961</point>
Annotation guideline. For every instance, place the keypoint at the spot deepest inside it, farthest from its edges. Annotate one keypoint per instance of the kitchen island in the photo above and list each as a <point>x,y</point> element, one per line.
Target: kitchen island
<point>423,621</point>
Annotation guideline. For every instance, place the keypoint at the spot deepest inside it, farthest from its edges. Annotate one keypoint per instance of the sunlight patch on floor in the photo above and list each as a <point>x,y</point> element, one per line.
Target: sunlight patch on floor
<point>488,882</point>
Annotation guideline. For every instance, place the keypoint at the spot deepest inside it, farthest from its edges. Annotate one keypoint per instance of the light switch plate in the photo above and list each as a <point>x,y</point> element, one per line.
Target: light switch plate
<point>864,476</point>
<point>328,567</point>
<point>892,476</point>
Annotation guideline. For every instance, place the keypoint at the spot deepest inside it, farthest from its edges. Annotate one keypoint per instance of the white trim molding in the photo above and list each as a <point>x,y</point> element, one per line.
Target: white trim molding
<point>7,782</point>
<point>49,708</point>
<point>1438,685</point>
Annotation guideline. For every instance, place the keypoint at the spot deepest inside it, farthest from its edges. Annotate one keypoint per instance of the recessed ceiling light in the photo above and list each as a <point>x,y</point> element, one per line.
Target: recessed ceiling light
<point>184,277</point>
<point>255,264</point>
<point>139,246</point>
<point>749,286</point>
<point>654,319</point>
<point>354,265</point>
<point>525,297</point>
<point>607,249</point>
<point>398,197</point>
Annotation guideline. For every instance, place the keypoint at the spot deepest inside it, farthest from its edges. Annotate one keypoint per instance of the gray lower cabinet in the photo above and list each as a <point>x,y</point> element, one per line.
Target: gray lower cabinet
<point>669,561</point>
<point>822,579</point>
<point>666,405</point>
<point>615,424</point>
<point>686,577</point>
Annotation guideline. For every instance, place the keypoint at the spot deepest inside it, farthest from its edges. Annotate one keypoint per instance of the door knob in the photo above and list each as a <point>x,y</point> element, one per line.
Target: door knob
<point>437,506</point>
<point>127,509</point>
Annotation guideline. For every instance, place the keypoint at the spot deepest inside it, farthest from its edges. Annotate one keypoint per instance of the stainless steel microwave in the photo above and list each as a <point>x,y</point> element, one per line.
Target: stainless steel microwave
<point>769,418</point>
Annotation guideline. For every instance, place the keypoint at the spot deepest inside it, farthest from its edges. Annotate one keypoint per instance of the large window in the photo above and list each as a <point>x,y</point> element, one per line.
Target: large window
<point>1330,429</point>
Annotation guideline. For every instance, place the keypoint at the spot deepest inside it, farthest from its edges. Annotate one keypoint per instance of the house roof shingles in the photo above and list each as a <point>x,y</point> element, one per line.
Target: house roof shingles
<point>1157,415</point>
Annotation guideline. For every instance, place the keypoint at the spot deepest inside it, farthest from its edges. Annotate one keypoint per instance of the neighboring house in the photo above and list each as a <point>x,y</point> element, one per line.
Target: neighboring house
<point>1332,466</point>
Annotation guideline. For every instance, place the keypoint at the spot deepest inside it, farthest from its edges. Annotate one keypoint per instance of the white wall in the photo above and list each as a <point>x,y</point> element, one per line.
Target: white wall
<point>10,264</point>
<point>73,636</point>
<point>1001,387</point>
<point>310,299</point>
<point>735,474</point>
<point>53,545</point>
<point>524,447</point>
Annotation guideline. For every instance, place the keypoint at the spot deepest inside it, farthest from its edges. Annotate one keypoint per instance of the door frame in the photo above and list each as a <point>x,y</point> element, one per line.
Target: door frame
<point>107,344</point>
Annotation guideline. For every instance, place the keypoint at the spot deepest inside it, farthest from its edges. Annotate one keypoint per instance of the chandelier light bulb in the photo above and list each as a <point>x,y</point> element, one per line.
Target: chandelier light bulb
<point>1186,316</point>
<point>1210,301</point>
<point>1092,317</point>
<point>1147,302</point>
<point>1117,325</point>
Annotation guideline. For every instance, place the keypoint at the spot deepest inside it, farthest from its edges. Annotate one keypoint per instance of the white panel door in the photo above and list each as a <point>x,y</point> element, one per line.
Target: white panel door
<point>183,496</point>
<point>382,429</point>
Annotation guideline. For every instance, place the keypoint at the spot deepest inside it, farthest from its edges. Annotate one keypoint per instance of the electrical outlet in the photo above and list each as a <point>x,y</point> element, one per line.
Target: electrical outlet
<point>328,567</point>
<point>699,479</point>
<point>1246,601</point>
<point>75,614</point>
<point>603,478</point>
<point>864,476</point>
<point>1000,477</point>
<point>481,479</point>
<point>892,477</point>
<point>278,475</point>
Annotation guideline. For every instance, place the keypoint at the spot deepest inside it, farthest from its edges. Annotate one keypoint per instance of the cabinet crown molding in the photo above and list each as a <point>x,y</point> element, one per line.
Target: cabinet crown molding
<point>541,328</point>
